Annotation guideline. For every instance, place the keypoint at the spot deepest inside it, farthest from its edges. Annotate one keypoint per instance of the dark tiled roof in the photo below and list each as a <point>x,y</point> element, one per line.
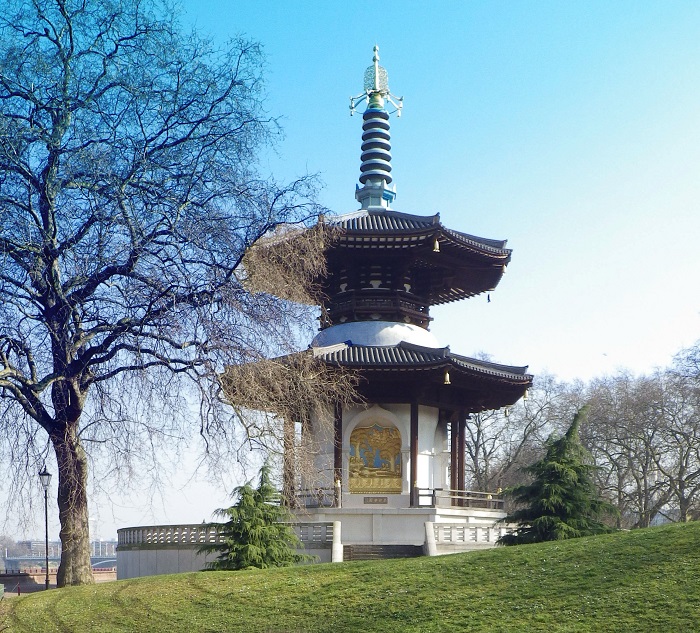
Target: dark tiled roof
<point>409,355</point>
<point>482,241</point>
<point>393,223</point>
<point>390,221</point>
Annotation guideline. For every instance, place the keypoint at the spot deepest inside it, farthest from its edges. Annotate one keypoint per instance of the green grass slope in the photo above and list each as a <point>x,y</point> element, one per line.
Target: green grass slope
<point>645,580</point>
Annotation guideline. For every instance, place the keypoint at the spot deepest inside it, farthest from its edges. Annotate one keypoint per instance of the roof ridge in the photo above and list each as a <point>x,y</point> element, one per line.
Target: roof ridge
<point>434,219</point>
<point>483,241</point>
<point>442,351</point>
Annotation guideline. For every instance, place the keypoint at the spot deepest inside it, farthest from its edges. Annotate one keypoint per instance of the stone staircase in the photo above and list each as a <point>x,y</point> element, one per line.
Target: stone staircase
<point>379,552</point>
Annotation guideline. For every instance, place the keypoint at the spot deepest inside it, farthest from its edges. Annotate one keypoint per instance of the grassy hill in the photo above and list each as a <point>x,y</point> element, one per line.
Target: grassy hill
<point>645,580</point>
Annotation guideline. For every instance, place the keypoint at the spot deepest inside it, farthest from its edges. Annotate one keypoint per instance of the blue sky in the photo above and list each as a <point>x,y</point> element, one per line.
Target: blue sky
<point>570,128</point>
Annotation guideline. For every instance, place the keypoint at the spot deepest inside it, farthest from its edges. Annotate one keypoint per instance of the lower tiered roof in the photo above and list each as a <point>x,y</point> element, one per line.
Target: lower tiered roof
<point>433,376</point>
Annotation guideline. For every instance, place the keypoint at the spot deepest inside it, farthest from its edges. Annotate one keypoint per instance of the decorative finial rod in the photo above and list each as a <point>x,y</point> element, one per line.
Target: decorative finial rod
<point>375,59</point>
<point>376,88</point>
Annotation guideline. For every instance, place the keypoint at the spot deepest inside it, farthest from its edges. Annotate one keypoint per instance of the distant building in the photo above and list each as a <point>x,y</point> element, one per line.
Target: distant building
<point>101,549</point>
<point>37,549</point>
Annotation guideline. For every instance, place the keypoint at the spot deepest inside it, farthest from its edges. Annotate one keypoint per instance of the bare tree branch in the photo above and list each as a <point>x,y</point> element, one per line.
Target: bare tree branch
<point>130,211</point>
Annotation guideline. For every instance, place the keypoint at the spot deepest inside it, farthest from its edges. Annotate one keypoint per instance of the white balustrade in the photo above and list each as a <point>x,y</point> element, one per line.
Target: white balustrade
<point>314,534</point>
<point>199,534</point>
<point>465,535</point>
<point>194,535</point>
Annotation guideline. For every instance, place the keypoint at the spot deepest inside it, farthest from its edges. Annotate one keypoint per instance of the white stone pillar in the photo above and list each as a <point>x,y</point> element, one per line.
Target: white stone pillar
<point>430,546</point>
<point>337,549</point>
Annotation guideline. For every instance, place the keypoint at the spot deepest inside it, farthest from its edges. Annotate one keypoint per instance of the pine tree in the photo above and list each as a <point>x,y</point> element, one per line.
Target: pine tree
<point>561,502</point>
<point>255,534</point>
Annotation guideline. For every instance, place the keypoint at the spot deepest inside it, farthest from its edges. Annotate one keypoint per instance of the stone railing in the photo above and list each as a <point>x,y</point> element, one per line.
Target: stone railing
<point>427,498</point>
<point>315,498</point>
<point>310,534</point>
<point>315,535</point>
<point>461,536</point>
<point>439,498</point>
<point>168,535</point>
<point>170,549</point>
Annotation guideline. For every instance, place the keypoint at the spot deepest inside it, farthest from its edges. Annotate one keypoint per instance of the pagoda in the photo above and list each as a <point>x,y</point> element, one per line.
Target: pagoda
<point>398,460</point>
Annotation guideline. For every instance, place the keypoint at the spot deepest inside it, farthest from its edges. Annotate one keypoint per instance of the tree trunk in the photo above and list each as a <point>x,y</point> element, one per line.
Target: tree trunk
<point>75,567</point>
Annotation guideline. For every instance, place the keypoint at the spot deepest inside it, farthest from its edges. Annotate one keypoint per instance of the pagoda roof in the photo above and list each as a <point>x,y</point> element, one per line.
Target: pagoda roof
<point>388,224</point>
<point>474,384</point>
<point>453,265</point>
<point>410,355</point>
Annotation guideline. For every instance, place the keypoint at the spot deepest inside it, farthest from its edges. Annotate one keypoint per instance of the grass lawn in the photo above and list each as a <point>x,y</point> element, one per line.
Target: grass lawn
<point>644,580</point>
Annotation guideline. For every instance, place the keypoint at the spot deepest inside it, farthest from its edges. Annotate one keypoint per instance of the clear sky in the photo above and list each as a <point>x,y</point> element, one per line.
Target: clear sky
<point>570,128</point>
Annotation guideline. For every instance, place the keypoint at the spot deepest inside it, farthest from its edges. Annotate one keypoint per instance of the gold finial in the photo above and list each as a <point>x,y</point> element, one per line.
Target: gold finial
<point>376,87</point>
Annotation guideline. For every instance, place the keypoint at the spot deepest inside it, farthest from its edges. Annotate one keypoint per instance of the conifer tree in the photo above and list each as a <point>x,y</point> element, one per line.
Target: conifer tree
<point>561,502</point>
<point>255,534</point>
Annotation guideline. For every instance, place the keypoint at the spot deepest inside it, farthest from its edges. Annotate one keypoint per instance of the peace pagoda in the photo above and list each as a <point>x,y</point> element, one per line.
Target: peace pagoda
<point>388,476</point>
<point>397,462</point>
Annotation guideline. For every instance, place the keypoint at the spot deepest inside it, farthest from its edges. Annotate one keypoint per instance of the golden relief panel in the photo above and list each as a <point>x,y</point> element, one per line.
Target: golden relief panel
<point>375,460</point>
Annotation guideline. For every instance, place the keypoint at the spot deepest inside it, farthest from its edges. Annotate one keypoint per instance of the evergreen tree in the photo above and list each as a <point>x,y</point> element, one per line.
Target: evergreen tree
<point>255,534</point>
<point>561,502</point>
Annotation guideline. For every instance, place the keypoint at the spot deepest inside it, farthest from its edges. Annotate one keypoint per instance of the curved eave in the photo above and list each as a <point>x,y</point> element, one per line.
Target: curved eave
<point>456,293</point>
<point>431,376</point>
<point>394,230</point>
<point>407,357</point>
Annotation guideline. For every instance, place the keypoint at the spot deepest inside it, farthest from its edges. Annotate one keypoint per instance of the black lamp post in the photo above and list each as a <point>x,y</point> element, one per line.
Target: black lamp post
<point>45,477</point>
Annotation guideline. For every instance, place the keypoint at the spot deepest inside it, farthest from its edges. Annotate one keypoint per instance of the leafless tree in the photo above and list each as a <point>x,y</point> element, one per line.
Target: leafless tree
<point>624,433</point>
<point>128,198</point>
<point>271,398</point>
<point>687,363</point>
<point>679,454</point>
<point>645,434</point>
<point>500,443</point>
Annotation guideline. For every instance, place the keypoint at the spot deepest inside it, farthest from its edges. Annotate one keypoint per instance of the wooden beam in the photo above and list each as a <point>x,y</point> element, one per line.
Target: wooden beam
<point>454,456</point>
<point>414,454</point>
<point>288,464</point>
<point>338,444</point>
<point>461,448</point>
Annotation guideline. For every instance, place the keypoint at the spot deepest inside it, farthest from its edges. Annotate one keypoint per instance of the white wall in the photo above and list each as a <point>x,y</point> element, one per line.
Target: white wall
<point>153,560</point>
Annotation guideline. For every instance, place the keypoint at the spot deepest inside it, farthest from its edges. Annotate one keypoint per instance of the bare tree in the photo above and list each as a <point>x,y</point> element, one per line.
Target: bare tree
<point>624,433</point>
<point>499,444</point>
<point>645,434</point>
<point>271,398</point>
<point>128,199</point>
<point>643,431</point>
<point>679,455</point>
<point>687,363</point>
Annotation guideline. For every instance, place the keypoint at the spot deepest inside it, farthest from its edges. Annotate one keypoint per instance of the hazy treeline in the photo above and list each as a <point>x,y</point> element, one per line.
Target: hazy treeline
<point>643,433</point>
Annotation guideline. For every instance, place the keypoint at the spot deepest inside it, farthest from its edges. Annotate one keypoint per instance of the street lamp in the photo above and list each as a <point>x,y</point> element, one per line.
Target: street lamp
<point>45,477</point>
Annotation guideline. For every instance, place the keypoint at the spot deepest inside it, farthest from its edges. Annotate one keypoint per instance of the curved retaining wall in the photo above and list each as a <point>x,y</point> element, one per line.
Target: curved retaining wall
<point>162,549</point>
<point>172,549</point>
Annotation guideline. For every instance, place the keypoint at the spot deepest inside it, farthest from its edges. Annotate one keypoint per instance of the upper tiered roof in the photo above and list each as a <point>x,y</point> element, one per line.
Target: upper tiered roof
<point>390,266</point>
<point>412,254</point>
